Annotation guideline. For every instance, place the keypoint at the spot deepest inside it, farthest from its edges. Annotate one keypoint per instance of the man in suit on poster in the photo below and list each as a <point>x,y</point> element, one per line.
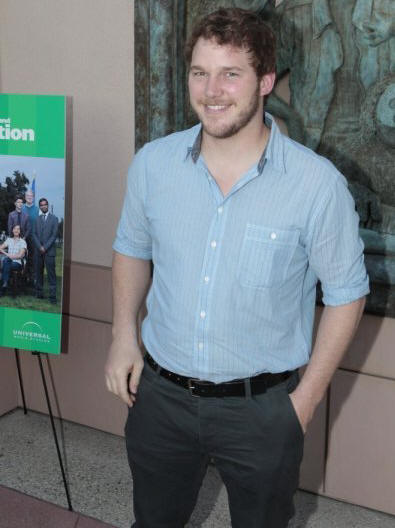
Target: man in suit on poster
<point>44,236</point>
<point>19,217</point>
<point>32,211</point>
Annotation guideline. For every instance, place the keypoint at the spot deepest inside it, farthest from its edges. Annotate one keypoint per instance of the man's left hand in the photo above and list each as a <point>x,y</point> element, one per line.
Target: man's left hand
<point>304,410</point>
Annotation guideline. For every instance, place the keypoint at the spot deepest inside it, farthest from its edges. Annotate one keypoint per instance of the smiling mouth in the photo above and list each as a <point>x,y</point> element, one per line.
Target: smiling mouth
<point>216,108</point>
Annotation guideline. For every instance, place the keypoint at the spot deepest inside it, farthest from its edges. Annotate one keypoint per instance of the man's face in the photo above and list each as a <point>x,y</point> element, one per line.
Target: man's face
<point>44,207</point>
<point>29,197</point>
<point>224,89</point>
<point>18,205</point>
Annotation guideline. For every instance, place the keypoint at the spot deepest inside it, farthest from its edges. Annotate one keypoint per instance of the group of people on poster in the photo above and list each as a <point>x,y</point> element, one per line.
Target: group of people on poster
<point>30,245</point>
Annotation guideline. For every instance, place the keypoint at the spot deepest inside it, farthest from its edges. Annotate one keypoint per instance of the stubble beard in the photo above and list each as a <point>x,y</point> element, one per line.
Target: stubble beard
<point>227,130</point>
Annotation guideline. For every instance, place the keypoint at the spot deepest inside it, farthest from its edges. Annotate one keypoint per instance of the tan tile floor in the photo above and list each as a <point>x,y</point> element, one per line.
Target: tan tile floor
<point>100,483</point>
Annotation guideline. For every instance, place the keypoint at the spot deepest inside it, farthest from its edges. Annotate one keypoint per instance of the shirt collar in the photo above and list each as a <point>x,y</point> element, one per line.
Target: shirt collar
<point>194,150</point>
<point>273,153</point>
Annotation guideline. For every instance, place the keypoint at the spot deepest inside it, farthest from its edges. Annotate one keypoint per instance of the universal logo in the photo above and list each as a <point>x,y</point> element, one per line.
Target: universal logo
<point>31,331</point>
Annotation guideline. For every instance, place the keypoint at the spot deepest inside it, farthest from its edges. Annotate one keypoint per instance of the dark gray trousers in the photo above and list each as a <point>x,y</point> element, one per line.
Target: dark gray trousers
<point>50,265</point>
<point>256,443</point>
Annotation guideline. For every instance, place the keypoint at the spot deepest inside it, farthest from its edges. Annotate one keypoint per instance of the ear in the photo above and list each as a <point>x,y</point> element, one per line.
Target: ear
<point>266,83</point>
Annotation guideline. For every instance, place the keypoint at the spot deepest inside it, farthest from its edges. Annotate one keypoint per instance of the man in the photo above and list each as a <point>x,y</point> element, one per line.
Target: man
<point>44,237</point>
<point>240,222</point>
<point>32,211</point>
<point>30,208</point>
<point>19,217</point>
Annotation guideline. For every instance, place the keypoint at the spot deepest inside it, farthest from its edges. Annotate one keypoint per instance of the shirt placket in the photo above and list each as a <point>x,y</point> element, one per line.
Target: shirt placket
<point>211,262</point>
<point>208,274</point>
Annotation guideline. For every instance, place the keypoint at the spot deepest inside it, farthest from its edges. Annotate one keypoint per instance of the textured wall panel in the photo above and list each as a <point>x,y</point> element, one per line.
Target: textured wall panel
<point>76,379</point>
<point>361,459</point>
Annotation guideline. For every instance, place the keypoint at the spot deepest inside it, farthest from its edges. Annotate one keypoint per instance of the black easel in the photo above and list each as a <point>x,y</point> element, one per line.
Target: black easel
<point>55,436</point>
<point>18,366</point>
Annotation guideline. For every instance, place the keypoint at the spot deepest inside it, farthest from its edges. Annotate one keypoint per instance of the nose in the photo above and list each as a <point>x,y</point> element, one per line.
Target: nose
<point>213,86</point>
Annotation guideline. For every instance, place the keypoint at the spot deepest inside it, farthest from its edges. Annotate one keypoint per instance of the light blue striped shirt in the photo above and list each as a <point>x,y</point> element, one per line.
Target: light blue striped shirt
<point>234,285</point>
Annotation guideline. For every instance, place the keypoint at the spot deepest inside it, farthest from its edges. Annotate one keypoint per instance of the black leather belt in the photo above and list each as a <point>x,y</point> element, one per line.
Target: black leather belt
<point>202,388</point>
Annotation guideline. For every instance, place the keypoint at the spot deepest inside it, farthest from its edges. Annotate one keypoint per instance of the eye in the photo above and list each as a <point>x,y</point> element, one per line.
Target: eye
<point>231,75</point>
<point>197,73</point>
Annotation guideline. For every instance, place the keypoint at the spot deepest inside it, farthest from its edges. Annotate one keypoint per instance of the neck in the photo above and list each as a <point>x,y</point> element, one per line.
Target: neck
<point>241,150</point>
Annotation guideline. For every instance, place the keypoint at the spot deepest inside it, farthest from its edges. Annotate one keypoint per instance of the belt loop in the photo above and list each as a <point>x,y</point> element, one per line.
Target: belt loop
<point>247,388</point>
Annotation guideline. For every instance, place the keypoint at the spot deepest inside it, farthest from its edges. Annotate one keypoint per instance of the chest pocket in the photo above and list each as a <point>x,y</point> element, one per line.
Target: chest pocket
<point>265,256</point>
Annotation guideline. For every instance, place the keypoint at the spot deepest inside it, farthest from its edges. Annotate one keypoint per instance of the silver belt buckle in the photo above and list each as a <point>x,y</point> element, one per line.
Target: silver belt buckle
<point>191,387</point>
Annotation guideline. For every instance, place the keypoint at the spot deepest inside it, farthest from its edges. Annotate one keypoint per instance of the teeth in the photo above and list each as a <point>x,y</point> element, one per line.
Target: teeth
<point>216,107</point>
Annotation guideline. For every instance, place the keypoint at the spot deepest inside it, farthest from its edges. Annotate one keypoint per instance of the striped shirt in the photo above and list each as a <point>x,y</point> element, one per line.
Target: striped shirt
<point>234,284</point>
<point>15,246</point>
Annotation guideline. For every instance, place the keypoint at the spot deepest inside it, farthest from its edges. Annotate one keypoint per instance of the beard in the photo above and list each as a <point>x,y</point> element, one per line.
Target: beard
<point>228,129</point>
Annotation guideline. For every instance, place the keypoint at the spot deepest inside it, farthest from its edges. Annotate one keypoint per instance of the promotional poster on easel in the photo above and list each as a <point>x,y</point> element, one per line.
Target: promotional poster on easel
<point>32,204</point>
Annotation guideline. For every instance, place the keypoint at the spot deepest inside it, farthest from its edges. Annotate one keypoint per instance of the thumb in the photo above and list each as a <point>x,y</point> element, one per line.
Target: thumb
<point>135,377</point>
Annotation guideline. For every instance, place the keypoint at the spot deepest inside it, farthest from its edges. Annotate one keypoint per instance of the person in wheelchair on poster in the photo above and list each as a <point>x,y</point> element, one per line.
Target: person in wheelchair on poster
<point>12,253</point>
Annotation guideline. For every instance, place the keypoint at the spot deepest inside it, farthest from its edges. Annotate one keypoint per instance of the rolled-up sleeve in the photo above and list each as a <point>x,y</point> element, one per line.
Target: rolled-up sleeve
<point>336,249</point>
<point>133,236</point>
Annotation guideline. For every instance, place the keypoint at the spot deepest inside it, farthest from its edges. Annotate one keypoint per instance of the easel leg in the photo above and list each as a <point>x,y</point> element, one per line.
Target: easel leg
<point>18,366</point>
<point>66,487</point>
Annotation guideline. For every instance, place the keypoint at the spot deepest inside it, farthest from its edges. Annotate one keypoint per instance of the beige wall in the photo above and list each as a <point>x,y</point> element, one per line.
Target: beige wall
<point>84,49</point>
<point>8,381</point>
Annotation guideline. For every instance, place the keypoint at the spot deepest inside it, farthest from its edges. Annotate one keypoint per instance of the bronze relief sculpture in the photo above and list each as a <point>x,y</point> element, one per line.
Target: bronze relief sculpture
<point>340,58</point>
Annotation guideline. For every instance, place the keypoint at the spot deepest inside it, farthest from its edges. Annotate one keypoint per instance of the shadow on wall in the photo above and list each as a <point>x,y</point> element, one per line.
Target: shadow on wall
<point>68,229</point>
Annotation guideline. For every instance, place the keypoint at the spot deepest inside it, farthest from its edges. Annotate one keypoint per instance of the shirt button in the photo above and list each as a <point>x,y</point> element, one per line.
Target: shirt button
<point>206,278</point>
<point>213,244</point>
<point>220,209</point>
<point>200,346</point>
<point>202,314</point>
<point>273,236</point>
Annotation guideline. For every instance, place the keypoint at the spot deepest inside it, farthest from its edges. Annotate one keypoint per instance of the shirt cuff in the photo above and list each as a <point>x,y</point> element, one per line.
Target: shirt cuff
<point>132,251</point>
<point>340,296</point>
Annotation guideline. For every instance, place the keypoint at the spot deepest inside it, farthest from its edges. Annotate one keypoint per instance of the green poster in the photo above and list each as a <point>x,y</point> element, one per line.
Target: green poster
<point>32,198</point>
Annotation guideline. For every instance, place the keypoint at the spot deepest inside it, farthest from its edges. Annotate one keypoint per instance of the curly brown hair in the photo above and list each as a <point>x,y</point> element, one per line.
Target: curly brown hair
<point>239,28</point>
